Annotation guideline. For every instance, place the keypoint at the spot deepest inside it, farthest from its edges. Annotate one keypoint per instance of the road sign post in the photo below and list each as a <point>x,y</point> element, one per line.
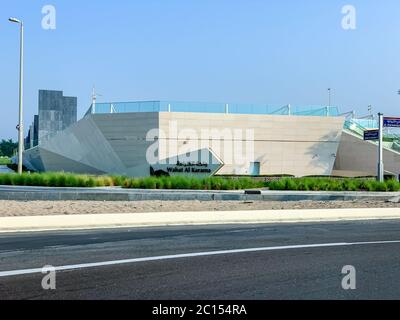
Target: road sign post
<point>384,122</point>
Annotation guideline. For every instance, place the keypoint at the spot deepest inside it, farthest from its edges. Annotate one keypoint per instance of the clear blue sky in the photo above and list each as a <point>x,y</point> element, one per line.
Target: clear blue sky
<point>261,51</point>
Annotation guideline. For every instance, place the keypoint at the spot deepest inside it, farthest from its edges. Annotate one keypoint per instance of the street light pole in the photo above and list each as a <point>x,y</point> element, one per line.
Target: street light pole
<point>329,97</point>
<point>381,171</point>
<point>329,102</point>
<point>21,96</point>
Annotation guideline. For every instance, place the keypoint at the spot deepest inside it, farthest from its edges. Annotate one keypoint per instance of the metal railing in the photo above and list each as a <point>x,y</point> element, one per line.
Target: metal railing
<point>206,107</point>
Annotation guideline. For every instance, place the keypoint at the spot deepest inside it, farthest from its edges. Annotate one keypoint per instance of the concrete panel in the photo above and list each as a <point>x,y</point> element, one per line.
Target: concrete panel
<point>84,143</point>
<point>283,145</point>
<point>54,162</point>
<point>126,133</point>
<point>361,157</point>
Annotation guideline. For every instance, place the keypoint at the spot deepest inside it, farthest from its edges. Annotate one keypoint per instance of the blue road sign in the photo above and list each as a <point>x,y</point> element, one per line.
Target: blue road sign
<point>391,122</point>
<point>371,135</point>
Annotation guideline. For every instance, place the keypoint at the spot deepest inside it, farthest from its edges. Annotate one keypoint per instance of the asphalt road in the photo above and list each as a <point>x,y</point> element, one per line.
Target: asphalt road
<point>275,272</point>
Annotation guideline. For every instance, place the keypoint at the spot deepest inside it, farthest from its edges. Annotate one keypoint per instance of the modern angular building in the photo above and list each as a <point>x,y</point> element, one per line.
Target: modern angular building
<point>169,138</point>
<point>55,113</point>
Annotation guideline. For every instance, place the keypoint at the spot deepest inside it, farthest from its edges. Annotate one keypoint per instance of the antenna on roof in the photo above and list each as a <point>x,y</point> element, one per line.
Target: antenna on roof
<point>94,98</point>
<point>370,110</point>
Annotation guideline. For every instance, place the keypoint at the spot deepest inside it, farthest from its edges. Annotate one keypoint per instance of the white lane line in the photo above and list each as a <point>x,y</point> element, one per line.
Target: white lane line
<point>188,255</point>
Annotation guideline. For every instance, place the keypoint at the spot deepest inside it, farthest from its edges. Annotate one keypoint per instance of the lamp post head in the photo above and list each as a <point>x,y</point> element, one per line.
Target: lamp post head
<point>15,20</point>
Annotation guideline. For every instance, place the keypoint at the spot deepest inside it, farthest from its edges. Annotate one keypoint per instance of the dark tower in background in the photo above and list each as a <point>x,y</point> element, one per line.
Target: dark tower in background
<point>35,131</point>
<point>56,113</point>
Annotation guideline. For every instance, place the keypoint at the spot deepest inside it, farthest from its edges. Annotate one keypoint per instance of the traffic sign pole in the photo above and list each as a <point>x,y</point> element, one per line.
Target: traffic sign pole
<point>380,176</point>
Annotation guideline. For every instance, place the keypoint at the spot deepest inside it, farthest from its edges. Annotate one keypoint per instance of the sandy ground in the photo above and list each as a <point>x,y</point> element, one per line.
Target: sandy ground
<point>21,208</point>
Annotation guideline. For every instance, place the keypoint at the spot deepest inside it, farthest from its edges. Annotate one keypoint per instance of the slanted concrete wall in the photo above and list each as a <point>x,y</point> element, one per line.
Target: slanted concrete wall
<point>104,143</point>
<point>361,157</point>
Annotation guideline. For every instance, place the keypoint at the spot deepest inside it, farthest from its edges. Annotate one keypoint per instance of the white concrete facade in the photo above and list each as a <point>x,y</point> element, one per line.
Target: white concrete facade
<point>117,143</point>
<point>297,145</point>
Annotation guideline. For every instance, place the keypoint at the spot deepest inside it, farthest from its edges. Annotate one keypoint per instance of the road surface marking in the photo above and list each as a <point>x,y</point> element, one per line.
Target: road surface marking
<point>188,255</point>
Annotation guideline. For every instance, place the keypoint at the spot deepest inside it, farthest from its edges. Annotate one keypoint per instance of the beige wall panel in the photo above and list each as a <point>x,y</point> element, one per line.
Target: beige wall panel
<point>283,145</point>
<point>360,156</point>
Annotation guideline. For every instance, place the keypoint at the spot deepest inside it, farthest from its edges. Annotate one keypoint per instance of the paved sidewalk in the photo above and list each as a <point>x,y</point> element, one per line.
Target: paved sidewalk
<point>42,223</point>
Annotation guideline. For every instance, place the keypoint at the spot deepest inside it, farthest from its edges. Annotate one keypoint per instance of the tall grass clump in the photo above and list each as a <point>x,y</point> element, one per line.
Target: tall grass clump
<point>57,179</point>
<point>192,183</point>
<point>5,179</point>
<point>393,185</point>
<point>62,179</point>
<point>330,184</point>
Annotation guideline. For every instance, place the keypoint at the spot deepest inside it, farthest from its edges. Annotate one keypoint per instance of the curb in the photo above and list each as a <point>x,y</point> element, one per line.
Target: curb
<point>140,220</point>
<point>118,194</point>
